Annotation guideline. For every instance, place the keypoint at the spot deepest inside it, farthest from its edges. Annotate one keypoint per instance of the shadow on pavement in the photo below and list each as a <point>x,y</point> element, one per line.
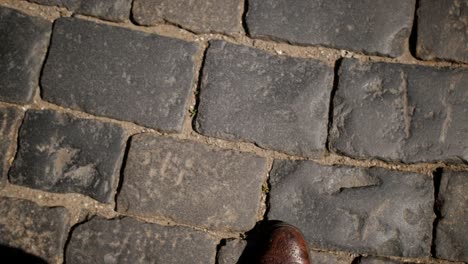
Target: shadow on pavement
<point>15,255</point>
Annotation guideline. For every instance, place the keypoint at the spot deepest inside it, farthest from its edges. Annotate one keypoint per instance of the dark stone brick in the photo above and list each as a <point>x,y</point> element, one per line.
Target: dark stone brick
<point>231,252</point>
<point>10,119</point>
<point>276,102</point>
<point>69,4</point>
<point>442,30</point>
<point>398,112</point>
<point>113,10</point>
<point>24,41</point>
<point>192,183</point>
<point>119,73</point>
<point>39,231</point>
<point>61,153</point>
<point>451,234</point>
<point>203,16</point>
<point>369,26</point>
<point>127,240</point>
<point>373,211</point>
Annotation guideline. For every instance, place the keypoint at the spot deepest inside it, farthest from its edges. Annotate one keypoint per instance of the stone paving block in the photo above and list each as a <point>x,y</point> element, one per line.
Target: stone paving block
<point>451,237</point>
<point>69,4</point>
<point>399,112</point>
<point>369,26</point>
<point>113,10</point>
<point>40,231</point>
<point>10,119</point>
<point>319,257</point>
<point>61,153</point>
<point>119,73</point>
<point>442,30</point>
<point>192,183</point>
<point>126,240</point>
<point>202,16</point>
<point>231,252</point>
<point>374,211</point>
<point>377,260</point>
<point>277,102</point>
<point>24,41</point>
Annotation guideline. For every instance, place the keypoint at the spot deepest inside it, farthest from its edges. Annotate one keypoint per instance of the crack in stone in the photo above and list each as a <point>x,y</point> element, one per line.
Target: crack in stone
<point>407,111</point>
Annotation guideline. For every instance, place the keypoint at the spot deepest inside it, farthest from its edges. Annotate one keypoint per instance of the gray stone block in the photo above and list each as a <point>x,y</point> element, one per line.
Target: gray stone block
<point>369,26</point>
<point>69,4</point>
<point>318,257</point>
<point>202,16</point>
<point>61,153</point>
<point>276,102</point>
<point>119,73</point>
<point>192,183</point>
<point>376,260</point>
<point>24,41</point>
<point>451,237</point>
<point>10,120</point>
<point>113,10</point>
<point>442,30</point>
<point>126,240</point>
<point>39,231</point>
<point>374,211</point>
<point>404,113</point>
<point>231,252</point>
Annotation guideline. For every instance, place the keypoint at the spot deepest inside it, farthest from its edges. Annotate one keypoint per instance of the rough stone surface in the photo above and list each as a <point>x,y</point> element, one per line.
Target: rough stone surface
<point>192,183</point>
<point>61,153</point>
<point>277,102</point>
<point>126,240</point>
<point>69,4</point>
<point>319,257</point>
<point>10,119</point>
<point>376,260</point>
<point>202,16</point>
<point>452,234</point>
<point>373,211</point>
<point>370,26</point>
<point>113,10</point>
<point>399,112</point>
<point>119,73</point>
<point>231,252</point>
<point>39,231</point>
<point>24,41</point>
<point>442,30</point>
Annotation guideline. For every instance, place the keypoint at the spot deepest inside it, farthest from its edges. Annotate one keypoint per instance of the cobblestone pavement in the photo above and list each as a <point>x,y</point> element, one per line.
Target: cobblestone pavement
<point>143,131</point>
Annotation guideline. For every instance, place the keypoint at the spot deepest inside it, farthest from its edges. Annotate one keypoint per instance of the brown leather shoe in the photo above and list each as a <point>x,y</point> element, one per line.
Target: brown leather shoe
<point>283,244</point>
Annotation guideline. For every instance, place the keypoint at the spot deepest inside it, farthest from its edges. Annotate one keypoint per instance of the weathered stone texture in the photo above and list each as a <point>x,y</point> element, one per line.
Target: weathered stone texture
<point>370,26</point>
<point>443,30</point>
<point>24,41</point>
<point>231,252</point>
<point>399,112</point>
<point>373,210</point>
<point>277,102</point>
<point>119,73</point>
<point>61,153</point>
<point>69,4</point>
<point>451,234</point>
<point>113,10</point>
<point>126,240</point>
<point>39,231</point>
<point>10,119</point>
<point>376,260</point>
<point>318,257</point>
<point>202,16</point>
<point>192,183</point>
